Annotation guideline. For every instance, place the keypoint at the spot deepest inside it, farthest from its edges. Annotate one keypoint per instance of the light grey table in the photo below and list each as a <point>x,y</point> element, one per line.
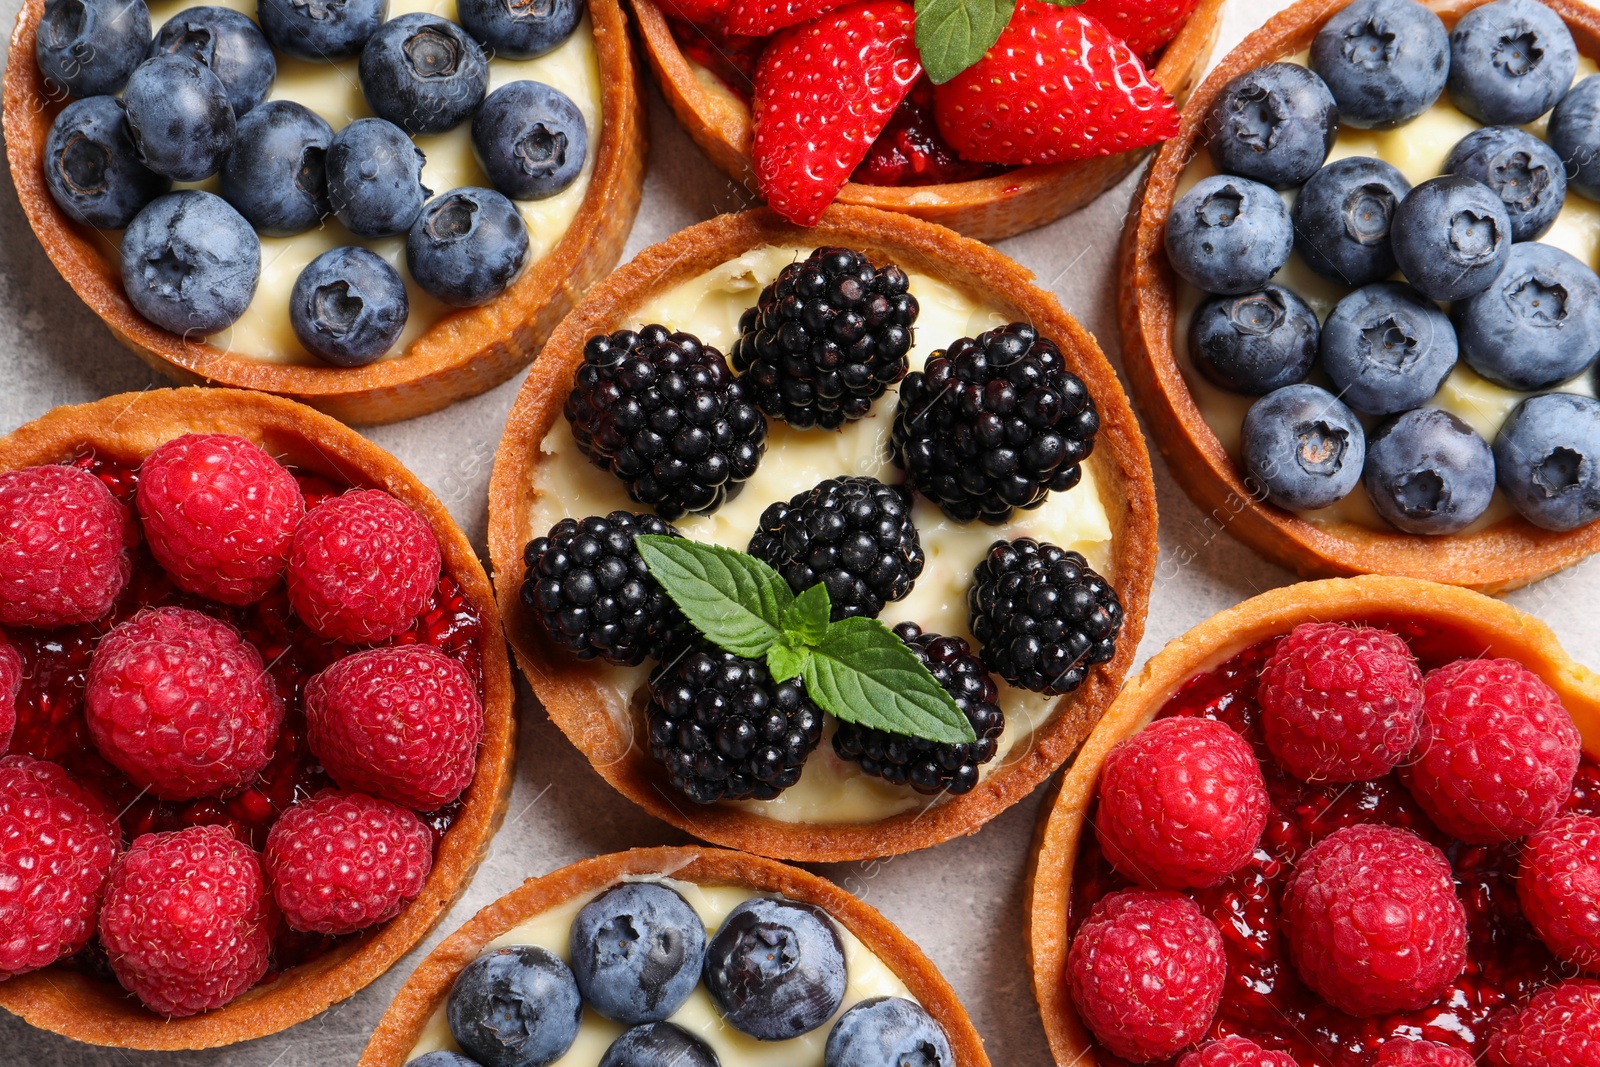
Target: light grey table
<point>962,902</point>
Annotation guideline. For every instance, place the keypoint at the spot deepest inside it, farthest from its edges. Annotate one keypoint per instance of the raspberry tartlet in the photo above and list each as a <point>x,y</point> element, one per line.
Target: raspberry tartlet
<point>228,755</point>
<point>1359,930</point>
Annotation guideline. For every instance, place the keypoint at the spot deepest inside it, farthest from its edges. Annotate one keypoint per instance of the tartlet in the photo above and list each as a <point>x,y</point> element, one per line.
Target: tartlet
<point>571,690</point>
<point>1502,556</point>
<point>987,209</point>
<point>425,991</point>
<point>461,355</point>
<point>127,427</point>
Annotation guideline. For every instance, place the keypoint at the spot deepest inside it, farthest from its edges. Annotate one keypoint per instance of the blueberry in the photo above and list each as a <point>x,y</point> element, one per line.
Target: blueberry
<point>1429,473</point>
<point>1229,235</point>
<point>1303,447</point>
<point>190,263</point>
<point>1275,124</point>
<point>517,29</point>
<point>887,1032</point>
<point>1537,325</point>
<point>1574,133</point>
<point>530,140</point>
<point>1510,61</point>
<point>423,73</point>
<point>515,1007</point>
<point>1387,349</point>
<point>348,306</point>
<point>89,47</point>
<point>658,1045</point>
<point>227,42</point>
<point>320,29</point>
<point>776,969</point>
<point>467,246</point>
<point>276,174</point>
<point>637,951</point>
<point>179,117</point>
<point>442,1059</point>
<point>1451,237</point>
<point>374,175</point>
<point>1384,61</point>
<point>1524,172</point>
<point>1547,458</point>
<point>1254,343</point>
<point>92,168</point>
<point>1343,218</point>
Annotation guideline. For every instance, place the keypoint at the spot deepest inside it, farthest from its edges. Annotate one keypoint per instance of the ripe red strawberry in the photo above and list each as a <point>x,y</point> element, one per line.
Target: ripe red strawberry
<point>823,93</point>
<point>1145,25</point>
<point>697,12</point>
<point>758,18</point>
<point>1056,86</point>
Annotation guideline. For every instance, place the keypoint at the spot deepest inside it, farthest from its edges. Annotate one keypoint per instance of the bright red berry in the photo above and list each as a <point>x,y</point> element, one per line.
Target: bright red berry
<point>1373,922</point>
<point>1559,1027</point>
<point>1146,971</point>
<point>1559,887</point>
<point>219,514</point>
<point>1144,25</point>
<point>1497,753</point>
<point>1415,1052</point>
<point>182,704</point>
<point>57,844</point>
<point>10,683</point>
<point>401,723</point>
<point>709,13</point>
<point>1182,804</point>
<point>1234,1051</point>
<point>63,547</point>
<point>759,18</point>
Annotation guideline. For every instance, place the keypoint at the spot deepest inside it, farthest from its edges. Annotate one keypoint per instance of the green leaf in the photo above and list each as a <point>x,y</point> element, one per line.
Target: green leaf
<point>952,35</point>
<point>734,599</point>
<point>784,661</point>
<point>807,618</point>
<point>862,673</point>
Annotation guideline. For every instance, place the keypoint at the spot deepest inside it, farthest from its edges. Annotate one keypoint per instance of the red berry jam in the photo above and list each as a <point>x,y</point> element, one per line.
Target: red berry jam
<point>1264,999</point>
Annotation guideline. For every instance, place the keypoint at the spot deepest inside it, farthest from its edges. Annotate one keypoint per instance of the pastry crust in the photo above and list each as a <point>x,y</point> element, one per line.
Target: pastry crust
<point>1506,555</point>
<point>461,355</point>
<point>429,985</point>
<point>127,428</point>
<point>987,208</point>
<point>1500,629</point>
<point>569,688</point>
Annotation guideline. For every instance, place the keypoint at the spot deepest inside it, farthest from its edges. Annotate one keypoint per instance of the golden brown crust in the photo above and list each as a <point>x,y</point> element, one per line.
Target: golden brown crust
<point>401,1026</point>
<point>569,689</point>
<point>987,209</point>
<point>463,354</point>
<point>1504,556</point>
<point>1500,629</point>
<point>127,428</point>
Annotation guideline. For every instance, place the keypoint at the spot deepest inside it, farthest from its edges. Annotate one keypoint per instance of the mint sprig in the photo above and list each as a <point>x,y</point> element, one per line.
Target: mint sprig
<point>856,669</point>
<point>952,35</point>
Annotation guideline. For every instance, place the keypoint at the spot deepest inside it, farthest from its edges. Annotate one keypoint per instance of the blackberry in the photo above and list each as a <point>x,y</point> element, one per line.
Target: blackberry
<point>1042,615</point>
<point>926,766</point>
<point>826,338</point>
<point>854,535</point>
<point>724,730</point>
<point>993,423</point>
<point>592,593</point>
<point>664,413</point>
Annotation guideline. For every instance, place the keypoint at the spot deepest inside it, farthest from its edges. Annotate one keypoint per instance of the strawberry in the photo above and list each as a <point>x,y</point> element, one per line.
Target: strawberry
<point>1144,25</point>
<point>759,18</point>
<point>1056,86</point>
<point>697,12</point>
<point>823,92</point>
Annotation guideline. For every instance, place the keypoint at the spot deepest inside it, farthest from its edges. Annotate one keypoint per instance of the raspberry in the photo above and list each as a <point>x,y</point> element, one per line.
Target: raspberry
<point>1559,887</point>
<point>1234,1051</point>
<point>361,567</point>
<point>1182,804</point>
<point>219,514</point>
<point>1560,1027</point>
<point>184,922</point>
<point>10,683</point>
<point>63,547</point>
<point>1340,703</point>
<point>1497,753</point>
<point>401,723</point>
<point>181,704</point>
<point>57,843</point>
<point>1373,922</point>
<point>1146,971</point>
<point>1415,1052</point>
<point>344,861</point>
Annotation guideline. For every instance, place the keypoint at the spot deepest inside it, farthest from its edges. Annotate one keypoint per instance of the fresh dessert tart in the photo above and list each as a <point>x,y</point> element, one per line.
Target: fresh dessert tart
<point>1359,294</point>
<point>701,556</point>
<point>746,80</point>
<point>666,955</point>
<point>258,712</point>
<point>379,211</point>
<point>1345,823</point>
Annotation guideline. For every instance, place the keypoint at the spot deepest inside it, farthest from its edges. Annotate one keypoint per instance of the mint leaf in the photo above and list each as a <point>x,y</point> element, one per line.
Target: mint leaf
<point>807,618</point>
<point>862,673</point>
<point>734,599</point>
<point>952,35</point>
<point>784,661</point>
